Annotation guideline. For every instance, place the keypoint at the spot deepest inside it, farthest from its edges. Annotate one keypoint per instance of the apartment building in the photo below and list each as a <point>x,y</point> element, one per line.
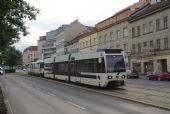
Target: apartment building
<point>49,48</point>
<point>150,36</point>
<point>113,32</point>
<point>30,54</point>
<point>41,42</point>
<point>88,40</point>
<point>72,46</point>
<point>67,34</point>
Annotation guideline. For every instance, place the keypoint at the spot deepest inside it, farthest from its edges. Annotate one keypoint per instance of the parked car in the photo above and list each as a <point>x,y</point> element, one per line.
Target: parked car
<point>159,75</point>
<point>1,71</point>
<point>132,74</point>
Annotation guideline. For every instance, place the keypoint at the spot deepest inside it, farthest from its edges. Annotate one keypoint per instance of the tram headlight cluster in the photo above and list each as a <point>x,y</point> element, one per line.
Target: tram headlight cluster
<point>110,77</point>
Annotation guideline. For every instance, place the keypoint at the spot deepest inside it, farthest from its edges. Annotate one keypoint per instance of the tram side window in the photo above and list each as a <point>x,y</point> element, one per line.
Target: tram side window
<point>41,65</point>
<point>100,66</point>
<point>61,68</point>
<point>92,65</point>
<point>72,68</point>
<point>48,67</point>
<point>55,68</point>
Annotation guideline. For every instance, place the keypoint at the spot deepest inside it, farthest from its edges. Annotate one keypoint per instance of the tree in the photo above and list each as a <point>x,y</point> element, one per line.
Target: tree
<point>13,15</point>
<point>12,57</point>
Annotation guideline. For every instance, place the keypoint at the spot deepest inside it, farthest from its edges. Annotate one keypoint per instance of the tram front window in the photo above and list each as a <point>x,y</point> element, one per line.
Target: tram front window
<point>115,63</point>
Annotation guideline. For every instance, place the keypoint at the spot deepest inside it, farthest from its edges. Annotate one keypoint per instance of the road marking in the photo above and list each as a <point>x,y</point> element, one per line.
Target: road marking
<point>51,94</point>
<point>7,102</point>
<point>76,105</point>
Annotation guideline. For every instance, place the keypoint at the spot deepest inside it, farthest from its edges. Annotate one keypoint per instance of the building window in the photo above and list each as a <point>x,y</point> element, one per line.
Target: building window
<point>100,38</point>
<point>158,41</point>
<point>105,38</point>
<point>144,29</point>
<point>133,48</point>
<point>138,30</point>
<point>125,32</point>
<point>80,45</point>
<point>144,44</point>
<point>125,47</point>
<point>139,47</point>
<point>111,35</point>
<point>90,42</point>
<point>157,24</point>
<point>165,22</point>
<point>151,43</point>
<point>150,26</point>
<point>133,32</point>
<point>118,34</point>
<point>86,43</point>
<point>83,44</point>
<point>95,41</point>
<point>166,43</point>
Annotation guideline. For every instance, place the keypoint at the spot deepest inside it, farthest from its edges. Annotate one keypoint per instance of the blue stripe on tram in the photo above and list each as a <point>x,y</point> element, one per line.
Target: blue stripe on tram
<point>88,76</point>
<point>80,75</point>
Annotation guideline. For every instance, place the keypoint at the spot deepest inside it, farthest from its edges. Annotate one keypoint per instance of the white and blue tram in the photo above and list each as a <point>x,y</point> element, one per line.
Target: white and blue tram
<point>36,68</point>
<point>100,67</point>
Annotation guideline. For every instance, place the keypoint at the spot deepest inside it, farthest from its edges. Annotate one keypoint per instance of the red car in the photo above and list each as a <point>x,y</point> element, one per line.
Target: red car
<point>159,75</point>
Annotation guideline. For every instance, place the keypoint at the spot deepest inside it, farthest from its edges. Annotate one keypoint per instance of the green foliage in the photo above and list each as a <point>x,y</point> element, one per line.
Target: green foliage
<point>12,57</point>
<point>10,70</point>
<point>3,109</point>
<point>13,15</point>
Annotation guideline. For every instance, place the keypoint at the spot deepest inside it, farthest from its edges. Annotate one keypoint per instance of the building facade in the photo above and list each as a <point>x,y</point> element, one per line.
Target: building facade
<point>88,40</point>
<point>113,32</point>
<point>48,49</point>
<point>150,37</point>
<point>67,34</point>
<point>30,54</point>
<point>41,42</point>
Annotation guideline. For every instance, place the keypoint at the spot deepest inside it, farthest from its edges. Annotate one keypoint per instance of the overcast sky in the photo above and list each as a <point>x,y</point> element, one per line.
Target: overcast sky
<point>54,13</point>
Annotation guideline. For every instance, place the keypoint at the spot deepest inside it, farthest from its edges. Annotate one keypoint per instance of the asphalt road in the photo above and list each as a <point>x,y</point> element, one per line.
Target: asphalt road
<point>29,95</point>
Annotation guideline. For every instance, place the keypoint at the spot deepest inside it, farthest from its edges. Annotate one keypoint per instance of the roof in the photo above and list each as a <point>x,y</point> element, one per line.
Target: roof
<point>119,17</point>
<point>31,48</point>
<point>85,33</point>
<point>128,8</point>
<point>149,9</point>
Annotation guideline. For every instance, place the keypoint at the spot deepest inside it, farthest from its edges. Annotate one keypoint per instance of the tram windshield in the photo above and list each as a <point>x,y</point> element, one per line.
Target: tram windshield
<point>115,63</point>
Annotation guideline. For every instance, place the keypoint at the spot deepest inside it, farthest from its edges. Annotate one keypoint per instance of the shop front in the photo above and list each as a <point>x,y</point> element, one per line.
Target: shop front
<point>145,65</point>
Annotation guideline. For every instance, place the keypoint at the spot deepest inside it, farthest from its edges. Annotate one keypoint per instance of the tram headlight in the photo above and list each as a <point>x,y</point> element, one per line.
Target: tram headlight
<point>123,76</point>
<point>110,77</point>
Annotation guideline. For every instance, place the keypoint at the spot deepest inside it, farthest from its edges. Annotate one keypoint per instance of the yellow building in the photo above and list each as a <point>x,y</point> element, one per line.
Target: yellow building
<point>88,40</point>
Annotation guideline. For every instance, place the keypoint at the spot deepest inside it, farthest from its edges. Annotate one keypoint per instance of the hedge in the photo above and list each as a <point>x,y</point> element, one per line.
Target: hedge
<point>3,109</point>
<point>10,70</point>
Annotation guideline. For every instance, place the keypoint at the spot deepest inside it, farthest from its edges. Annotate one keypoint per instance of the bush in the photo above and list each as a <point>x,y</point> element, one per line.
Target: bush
<point>3,109</point>
<point>10,70</point>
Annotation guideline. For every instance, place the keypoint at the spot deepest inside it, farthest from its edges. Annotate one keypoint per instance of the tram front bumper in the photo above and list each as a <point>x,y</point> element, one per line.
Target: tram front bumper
<point>116,83</point>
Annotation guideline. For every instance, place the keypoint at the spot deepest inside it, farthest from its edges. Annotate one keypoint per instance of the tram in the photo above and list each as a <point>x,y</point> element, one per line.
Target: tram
<point>100,67</point>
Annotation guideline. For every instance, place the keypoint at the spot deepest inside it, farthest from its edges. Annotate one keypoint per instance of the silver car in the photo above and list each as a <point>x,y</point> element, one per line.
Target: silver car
<point>1,71</point>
